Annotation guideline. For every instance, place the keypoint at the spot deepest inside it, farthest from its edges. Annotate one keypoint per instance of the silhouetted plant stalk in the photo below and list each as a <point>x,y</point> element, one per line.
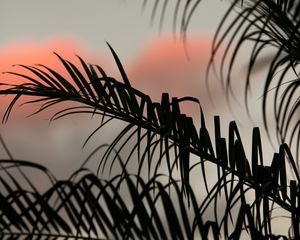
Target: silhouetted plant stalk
<point>78,210</point>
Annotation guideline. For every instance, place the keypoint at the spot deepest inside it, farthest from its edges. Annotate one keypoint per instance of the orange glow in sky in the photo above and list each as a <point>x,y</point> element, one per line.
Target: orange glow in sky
<point>30,53</point>
<point>163,65</point>
<point>34,52</point>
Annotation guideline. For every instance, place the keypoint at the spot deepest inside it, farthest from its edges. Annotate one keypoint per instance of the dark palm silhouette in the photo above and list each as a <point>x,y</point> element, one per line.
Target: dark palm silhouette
<point>160,206</point>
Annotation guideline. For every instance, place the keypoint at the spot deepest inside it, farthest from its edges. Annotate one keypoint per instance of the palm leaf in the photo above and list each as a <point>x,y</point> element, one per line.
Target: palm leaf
<point>91,208</point>
<point>270,28</point>
<point>158,127</point>
<point>266,25</point>
<point>86,207</point>
<point>99,94</point>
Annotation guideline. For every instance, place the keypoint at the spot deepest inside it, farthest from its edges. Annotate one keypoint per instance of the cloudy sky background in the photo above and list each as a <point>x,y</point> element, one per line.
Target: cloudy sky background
<point>31,30</point>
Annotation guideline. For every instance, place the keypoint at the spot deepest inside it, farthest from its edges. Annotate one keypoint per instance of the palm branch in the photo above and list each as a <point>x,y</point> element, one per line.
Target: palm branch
<point>161,128</point>
<point>91,208</point>
<point>271,30</point>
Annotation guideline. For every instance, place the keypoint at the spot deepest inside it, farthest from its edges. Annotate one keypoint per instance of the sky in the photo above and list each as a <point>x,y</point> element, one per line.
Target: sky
<point>124,24</point>
<point>154,59</point>
<point>153,56</point>
<point>31,30</point>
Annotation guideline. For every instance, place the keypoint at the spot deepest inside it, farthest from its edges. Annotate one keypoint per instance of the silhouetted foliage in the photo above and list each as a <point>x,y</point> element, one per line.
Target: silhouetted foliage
<point>85,206</point>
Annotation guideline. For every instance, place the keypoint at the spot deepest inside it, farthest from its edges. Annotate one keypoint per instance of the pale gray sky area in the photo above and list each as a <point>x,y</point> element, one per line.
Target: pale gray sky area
<point>120,22</point>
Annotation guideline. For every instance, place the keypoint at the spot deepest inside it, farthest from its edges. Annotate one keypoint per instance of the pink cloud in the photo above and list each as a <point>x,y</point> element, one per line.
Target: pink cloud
<point>31,53</point>
<point>163,65</point>
<point>166,65</point>
<point>35,52</point>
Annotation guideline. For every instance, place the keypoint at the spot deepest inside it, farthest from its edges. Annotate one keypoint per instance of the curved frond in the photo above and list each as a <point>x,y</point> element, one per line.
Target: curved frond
<point>160,128</point>
<point>271,30</point>
<point>99,94</point>
<point>87,207</point>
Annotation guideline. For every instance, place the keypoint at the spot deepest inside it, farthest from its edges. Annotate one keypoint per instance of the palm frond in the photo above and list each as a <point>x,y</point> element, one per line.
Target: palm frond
<point>99,94</point>
<point>270,28</point>
<point>91,208</point>
<point>87,207</point>
<point>159,127</point>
